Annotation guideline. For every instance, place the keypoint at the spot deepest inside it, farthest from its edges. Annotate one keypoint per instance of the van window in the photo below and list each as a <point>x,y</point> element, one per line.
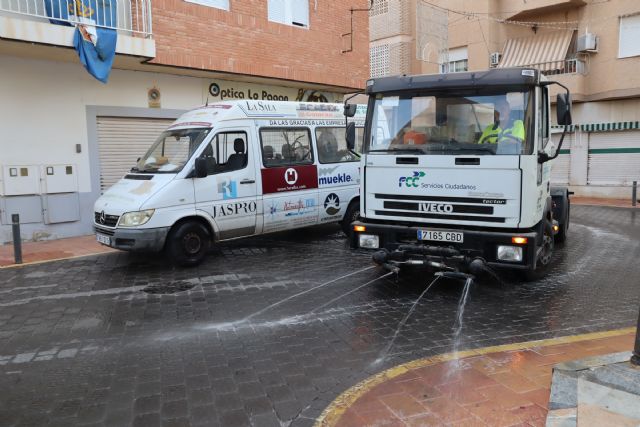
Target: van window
<point>284,147</point>
<point>332,145</point>
<point>171,150</point>
<point>227,151</point>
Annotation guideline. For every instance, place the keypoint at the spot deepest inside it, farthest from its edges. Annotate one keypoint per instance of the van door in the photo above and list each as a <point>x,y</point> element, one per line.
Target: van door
<point>289,178</point>
<point>228,194</point>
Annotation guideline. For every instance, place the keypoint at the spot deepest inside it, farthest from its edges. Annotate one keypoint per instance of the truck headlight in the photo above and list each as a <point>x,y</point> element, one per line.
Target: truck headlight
<point>133,219</point>
<point>510,253</point>
<point>369,241</point>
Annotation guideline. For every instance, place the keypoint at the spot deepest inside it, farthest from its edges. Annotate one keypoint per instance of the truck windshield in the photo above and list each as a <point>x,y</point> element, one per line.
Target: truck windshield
<point>496,123</point>
<point>171,150</point>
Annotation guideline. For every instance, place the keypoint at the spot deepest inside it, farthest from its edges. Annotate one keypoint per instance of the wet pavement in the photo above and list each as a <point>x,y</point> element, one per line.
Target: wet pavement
<point>268,331</point>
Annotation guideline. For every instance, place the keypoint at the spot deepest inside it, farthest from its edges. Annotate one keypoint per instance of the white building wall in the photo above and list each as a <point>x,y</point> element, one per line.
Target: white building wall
<point>43,107</point>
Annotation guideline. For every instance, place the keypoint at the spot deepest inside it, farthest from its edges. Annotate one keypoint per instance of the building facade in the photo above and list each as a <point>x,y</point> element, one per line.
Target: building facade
<point>67,137</point>
<point>591,46</point>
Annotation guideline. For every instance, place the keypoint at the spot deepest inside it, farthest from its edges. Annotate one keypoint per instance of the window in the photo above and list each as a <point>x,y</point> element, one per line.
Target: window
<point>218,4</point>
<point>543,112</point>
<point>226,152</point>
<point>290,12</point>
<point>171,150</point>
<point>332,145</point>
<point>453,123</point>
<point>457,61</point>
<point>284,147</point>
<point>629,36</point>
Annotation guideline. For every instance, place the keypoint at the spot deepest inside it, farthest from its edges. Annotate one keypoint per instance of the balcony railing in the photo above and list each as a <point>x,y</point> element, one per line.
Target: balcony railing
<point>567,66</point>
<point>132,17</point>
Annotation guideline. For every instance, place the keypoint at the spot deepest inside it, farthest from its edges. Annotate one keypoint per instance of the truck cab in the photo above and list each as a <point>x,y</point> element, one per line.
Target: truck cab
<point>455,171</point>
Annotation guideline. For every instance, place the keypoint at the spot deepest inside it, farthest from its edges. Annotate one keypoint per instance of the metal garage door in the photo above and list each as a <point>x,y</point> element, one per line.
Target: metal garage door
<point>614,158</point>
<point>562,164</point>
<point>121,141</point>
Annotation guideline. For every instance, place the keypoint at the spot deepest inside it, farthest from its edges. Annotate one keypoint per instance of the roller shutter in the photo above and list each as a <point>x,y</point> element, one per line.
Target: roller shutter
<point>562,164</point>
<point>121,141</point>
<point>614,158</point>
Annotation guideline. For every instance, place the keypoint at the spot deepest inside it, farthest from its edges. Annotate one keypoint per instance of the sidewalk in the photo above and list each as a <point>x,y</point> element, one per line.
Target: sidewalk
<point>595,201</point>
<point>72,247</point>
<point>50,250</point>
<point>488,388</point>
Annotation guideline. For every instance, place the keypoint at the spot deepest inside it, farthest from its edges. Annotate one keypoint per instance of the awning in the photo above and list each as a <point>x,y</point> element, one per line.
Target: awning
<point>544,51</point>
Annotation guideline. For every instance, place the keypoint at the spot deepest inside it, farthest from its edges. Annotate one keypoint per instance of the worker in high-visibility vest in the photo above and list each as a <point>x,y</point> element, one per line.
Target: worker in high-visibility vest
<point>502,129</point>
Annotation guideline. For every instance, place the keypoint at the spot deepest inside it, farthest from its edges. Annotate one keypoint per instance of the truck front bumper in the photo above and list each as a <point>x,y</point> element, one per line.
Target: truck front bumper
<point>401,245</point>
<point>136,240</point>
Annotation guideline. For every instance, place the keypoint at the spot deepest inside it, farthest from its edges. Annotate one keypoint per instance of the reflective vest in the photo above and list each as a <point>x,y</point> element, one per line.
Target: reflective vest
<point>493,133</point>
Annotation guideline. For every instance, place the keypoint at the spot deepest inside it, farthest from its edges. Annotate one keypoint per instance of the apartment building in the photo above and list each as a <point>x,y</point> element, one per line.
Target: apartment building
<point>66,137</point>
<point>591,46</point>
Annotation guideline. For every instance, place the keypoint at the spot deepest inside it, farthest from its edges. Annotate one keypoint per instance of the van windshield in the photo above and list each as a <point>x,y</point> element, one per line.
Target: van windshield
<point>450,123</point>
<point>171,150</point>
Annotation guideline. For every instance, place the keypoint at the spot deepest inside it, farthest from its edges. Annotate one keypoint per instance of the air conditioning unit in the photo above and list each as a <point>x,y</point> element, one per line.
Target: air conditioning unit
<point>587,43</point>
<point>494,59</point>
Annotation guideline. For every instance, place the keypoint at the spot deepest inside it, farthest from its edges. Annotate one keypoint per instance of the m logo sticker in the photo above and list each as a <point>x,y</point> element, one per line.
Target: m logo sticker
<point>291,176</point>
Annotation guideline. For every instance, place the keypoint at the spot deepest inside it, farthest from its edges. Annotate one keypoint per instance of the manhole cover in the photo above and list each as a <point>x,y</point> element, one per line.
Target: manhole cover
<point>168,288</point>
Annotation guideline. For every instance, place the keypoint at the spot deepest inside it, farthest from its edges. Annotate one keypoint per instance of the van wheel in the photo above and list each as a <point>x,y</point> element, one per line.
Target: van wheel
<point>546,254</point>
<point>352,214</point>
<point>188,244</point>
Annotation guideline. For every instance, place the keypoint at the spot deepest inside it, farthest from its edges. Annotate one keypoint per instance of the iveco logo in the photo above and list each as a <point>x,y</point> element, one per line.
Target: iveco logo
<point>436,207</point>
<point>103,218</point>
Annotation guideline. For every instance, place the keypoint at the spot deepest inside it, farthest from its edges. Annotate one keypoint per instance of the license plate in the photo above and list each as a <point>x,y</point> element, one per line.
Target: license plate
<point>105,240</point>
<point>441,236</point>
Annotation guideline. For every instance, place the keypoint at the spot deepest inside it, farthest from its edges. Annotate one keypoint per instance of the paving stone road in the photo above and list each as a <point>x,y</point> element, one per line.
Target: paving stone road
<point>268,331</point>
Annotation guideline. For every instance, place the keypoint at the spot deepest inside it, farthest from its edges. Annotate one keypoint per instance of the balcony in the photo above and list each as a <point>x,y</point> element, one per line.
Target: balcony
<point>49,22</point>
<point>536,7</point>
<point>570,72</point>
<point>554,68</point>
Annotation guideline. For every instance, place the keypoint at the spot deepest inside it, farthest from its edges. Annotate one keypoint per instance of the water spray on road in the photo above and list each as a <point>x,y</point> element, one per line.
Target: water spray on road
<point>457,327</point>
<point>350,292</point>
<point>282,301</point>
<point>385,352</point>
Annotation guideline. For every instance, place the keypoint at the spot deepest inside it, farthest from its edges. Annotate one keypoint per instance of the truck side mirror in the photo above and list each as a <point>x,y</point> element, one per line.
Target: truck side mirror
<point>201,167</point>
<point>350,136</point>
<point>350,110</point>
<point>563,109</point>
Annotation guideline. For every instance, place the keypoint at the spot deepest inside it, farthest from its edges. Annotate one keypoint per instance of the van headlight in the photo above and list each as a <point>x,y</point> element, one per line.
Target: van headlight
<point>133,219</point>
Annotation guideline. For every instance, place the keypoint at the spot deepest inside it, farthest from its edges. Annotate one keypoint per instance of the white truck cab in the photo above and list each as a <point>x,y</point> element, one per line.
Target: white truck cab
<point>230,170</point>
<point>456,172</point>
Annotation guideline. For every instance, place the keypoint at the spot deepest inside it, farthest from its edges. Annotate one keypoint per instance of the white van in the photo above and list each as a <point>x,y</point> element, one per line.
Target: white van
<point>230,170</point>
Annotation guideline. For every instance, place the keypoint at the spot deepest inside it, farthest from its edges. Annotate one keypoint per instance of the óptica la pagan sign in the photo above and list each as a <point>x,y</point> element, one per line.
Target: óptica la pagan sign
<point>222,90</point>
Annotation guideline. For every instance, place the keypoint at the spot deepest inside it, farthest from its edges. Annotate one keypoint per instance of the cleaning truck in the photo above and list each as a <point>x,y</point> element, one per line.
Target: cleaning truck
<point>455,172</point>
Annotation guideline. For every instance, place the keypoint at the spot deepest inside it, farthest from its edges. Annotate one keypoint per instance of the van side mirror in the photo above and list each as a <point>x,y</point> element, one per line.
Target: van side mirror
<point>201,167</point>
<point>350,110</point>
<point>350,136</point>
<point>563,109</point>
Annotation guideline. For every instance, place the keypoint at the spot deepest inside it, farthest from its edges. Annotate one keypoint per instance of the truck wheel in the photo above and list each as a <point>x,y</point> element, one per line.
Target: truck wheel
<point>544,260</point>
<point>352,214</point>
<point>188,243</point>
<point>564,227</point>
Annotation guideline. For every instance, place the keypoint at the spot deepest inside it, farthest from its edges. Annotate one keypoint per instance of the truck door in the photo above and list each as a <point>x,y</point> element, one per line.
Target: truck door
<point>289,178</point>
<point>228,194</point>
